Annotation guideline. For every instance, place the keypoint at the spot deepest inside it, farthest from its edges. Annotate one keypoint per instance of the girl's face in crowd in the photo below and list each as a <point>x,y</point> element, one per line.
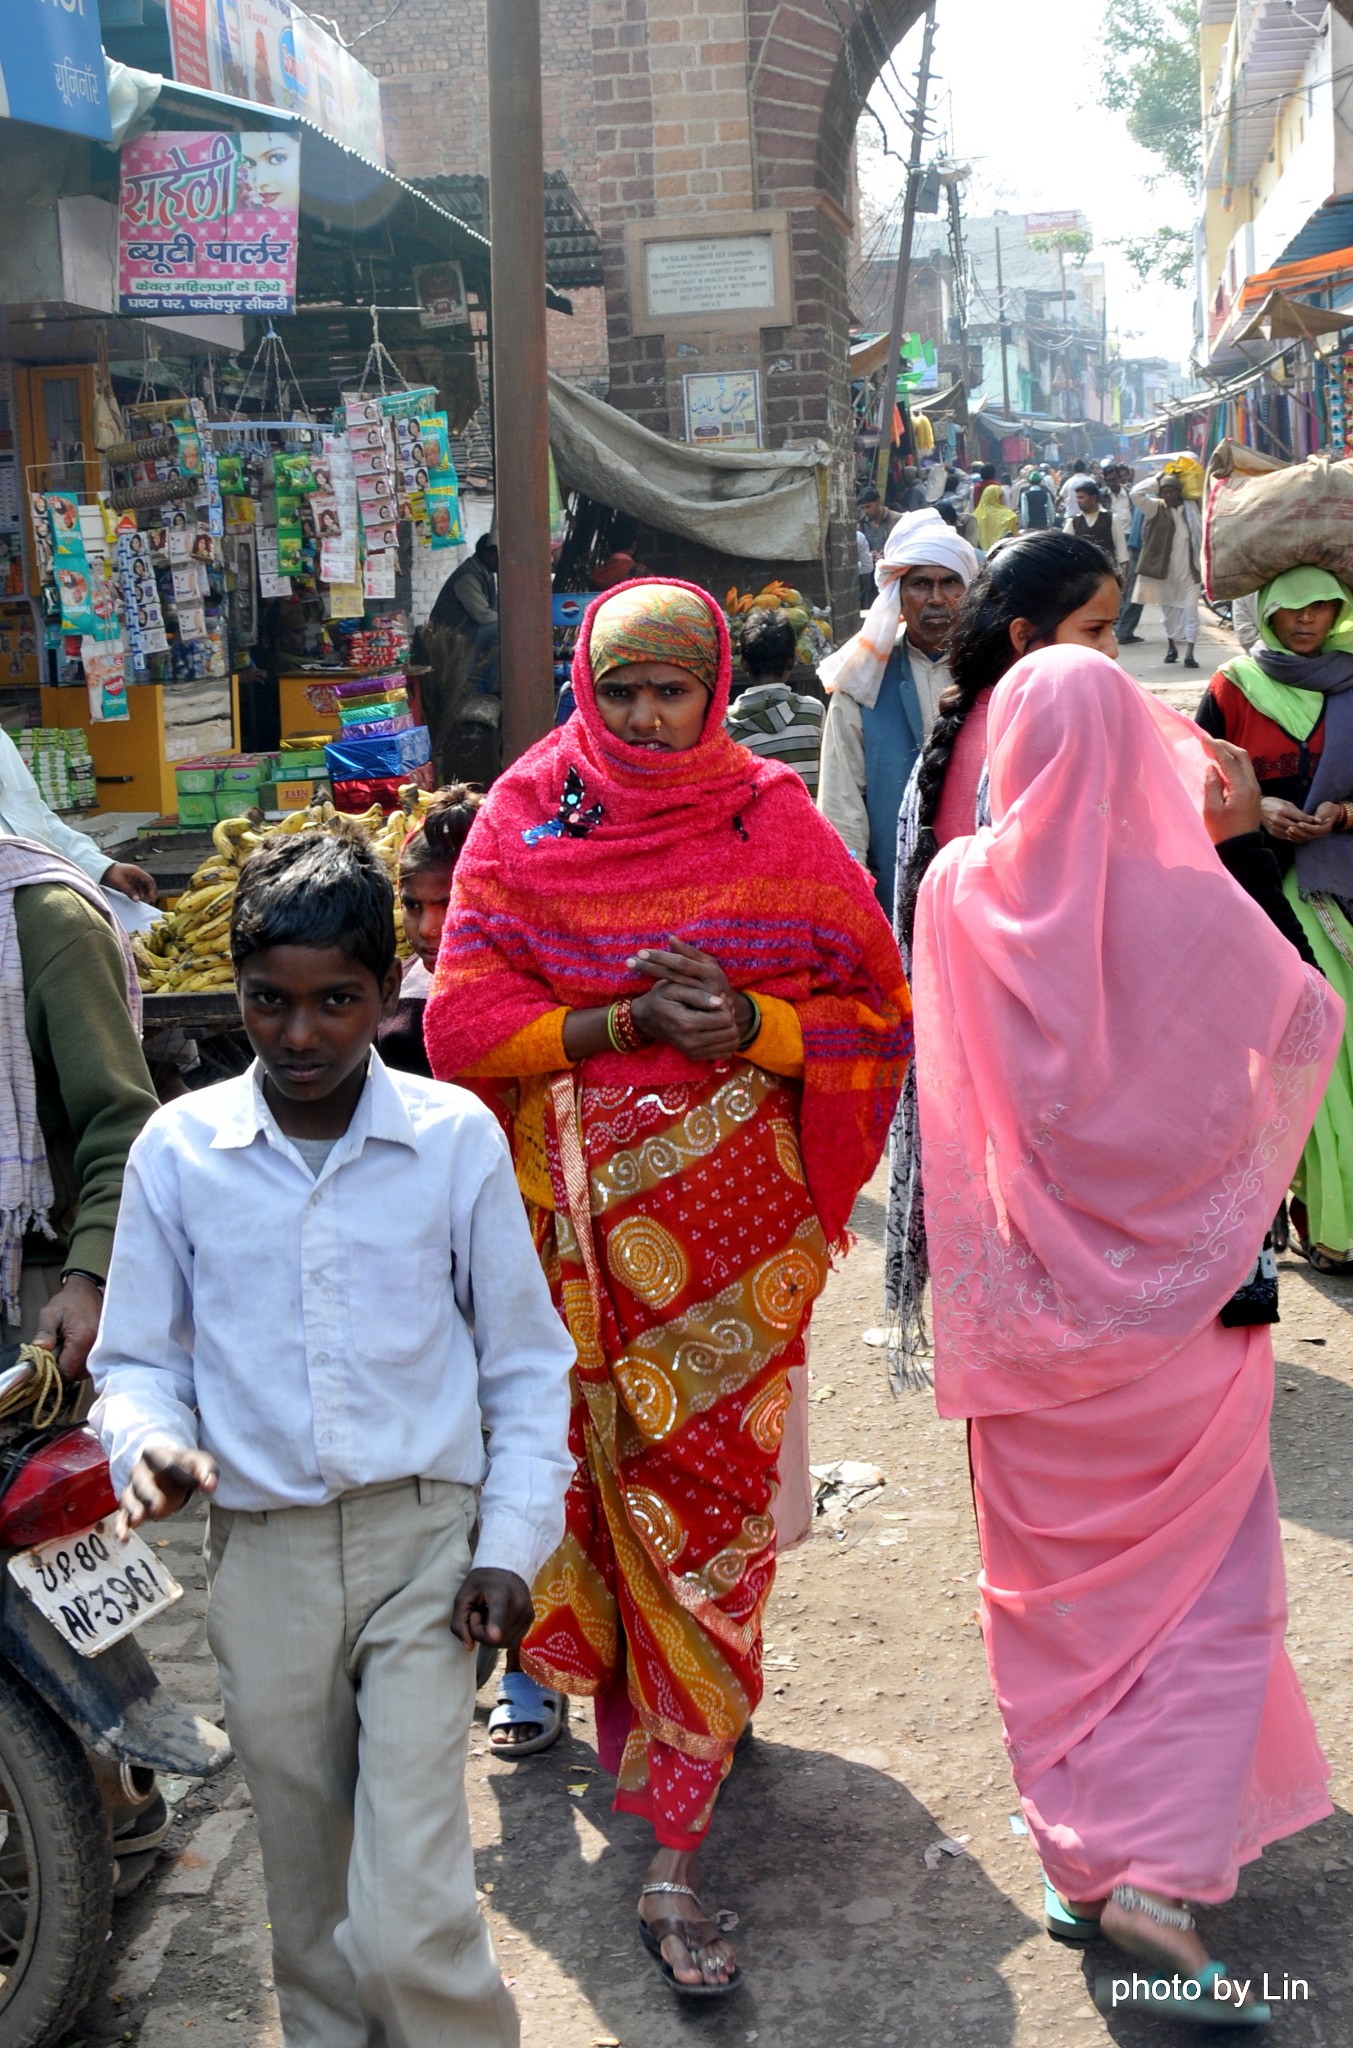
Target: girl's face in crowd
<point>424,893</point>
<point>1304,632</point>
<point>1092,624</point>
<point>653,704</point>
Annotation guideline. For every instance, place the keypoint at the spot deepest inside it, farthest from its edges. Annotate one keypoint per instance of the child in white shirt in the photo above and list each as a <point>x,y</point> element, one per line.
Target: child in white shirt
<point>322,1292</point>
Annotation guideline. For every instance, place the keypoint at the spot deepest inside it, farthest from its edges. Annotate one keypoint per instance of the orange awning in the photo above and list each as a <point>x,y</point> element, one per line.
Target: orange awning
<point>1316,270</point>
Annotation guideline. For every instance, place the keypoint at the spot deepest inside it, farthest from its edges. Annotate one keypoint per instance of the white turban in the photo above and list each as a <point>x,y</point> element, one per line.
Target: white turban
<point>920,540</point>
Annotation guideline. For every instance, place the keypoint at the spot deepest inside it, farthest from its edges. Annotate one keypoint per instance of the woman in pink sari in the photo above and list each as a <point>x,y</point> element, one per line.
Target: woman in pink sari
<point>1118,1059</point>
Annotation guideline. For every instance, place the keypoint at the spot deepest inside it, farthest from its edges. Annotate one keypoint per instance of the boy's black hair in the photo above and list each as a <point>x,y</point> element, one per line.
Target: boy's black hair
<point>768,644</point>
<point>315,889</point>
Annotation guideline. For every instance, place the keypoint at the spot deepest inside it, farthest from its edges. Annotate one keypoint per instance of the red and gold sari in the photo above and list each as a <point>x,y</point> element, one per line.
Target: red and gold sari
<point>684,1250</point>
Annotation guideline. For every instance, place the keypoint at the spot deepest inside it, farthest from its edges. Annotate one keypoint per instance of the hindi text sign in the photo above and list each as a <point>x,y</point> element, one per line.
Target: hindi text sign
<point>208,223</point>
<point>51,67</point>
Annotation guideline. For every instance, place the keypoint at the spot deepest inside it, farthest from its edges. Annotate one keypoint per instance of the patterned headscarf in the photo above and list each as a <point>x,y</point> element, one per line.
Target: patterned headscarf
<point>655,622</point>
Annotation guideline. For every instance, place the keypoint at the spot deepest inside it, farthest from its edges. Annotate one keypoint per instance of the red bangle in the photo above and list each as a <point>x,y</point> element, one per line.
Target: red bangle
<point>621,1028</point>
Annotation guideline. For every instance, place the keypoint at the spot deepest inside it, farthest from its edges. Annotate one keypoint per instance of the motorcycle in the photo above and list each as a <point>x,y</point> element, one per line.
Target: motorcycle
<point>84,1723</point>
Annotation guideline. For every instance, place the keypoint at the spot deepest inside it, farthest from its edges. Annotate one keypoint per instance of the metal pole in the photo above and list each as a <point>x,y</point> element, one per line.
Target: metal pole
<point>1000,318</point>
<point>520,407</point>
<point>888,398</point>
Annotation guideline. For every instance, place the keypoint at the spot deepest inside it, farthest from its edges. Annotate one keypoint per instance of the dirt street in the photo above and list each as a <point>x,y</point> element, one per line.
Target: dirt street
<point>877,1739</point>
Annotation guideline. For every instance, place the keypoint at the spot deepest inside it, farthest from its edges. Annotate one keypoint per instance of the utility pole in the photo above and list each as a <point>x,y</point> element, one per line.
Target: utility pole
<point>1001,321</point>
<point>952,177</point>
<point>888,397</point>
<point>521,409</point>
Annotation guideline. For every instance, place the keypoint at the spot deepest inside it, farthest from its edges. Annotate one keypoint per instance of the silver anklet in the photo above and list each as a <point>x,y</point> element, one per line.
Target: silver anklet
<point>1132,1901</point>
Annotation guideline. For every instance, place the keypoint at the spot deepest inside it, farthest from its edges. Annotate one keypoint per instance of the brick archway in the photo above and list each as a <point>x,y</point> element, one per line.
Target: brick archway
<point>807,83</point>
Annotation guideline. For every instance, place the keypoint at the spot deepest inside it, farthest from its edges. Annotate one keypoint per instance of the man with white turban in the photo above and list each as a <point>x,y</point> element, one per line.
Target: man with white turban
<point>884,688</point>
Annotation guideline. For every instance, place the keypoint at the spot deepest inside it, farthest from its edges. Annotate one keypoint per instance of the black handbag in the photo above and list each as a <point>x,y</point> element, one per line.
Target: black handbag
<point>1256,1298</point>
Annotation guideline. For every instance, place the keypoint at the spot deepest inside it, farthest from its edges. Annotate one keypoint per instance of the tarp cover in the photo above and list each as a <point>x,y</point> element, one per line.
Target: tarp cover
<point>770,506</point>
<point>1284,319</point>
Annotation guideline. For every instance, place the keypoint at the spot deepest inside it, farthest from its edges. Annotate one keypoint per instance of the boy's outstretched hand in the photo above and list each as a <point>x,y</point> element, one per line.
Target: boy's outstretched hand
<point>163,1478</point>
<point>492,1607</point>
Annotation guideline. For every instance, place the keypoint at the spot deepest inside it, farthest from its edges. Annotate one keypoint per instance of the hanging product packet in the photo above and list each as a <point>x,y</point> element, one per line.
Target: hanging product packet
<point>442,500</point>
<point>289,536</point>
<point>105,679</point>
<point>71,567</point>
<point>189,449</point>
<point>40,519</point>
<point>271,582</point>
<point>436,439</point>
<point>293,473</point>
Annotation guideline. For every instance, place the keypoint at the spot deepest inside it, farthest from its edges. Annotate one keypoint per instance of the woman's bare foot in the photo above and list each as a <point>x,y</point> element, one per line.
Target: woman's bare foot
<point>698,1954</point>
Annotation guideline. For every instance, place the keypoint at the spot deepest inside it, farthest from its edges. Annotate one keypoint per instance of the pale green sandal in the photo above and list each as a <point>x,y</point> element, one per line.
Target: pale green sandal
<point>1064,1925</point>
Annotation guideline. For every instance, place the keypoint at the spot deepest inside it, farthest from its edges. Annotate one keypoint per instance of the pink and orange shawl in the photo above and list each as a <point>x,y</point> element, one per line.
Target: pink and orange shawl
<point>714,845</point>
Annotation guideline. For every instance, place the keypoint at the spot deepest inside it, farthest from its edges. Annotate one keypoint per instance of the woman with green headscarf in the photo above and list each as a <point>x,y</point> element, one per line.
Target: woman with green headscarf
<point>1289,704</point>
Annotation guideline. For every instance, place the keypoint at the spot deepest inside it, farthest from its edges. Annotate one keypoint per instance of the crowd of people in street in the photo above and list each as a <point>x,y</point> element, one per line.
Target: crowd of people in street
<point>521,1363</point>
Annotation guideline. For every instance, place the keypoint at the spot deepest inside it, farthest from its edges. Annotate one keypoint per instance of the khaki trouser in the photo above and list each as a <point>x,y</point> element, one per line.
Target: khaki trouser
<point>349,1703</point>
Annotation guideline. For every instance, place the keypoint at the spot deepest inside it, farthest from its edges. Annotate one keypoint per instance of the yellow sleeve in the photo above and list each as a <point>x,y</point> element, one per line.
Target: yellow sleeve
<point>538,1048</point>
<point>778,1045</point>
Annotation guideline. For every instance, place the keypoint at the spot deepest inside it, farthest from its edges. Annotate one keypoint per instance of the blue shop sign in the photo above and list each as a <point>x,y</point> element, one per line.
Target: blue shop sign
<point>51,66</point>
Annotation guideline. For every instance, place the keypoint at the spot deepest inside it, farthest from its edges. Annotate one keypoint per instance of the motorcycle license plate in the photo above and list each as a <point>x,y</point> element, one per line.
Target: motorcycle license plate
<point>93,1589</point>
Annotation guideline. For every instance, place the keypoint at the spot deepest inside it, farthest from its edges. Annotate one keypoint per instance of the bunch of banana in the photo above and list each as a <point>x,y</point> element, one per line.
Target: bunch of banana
<point>189,949</point>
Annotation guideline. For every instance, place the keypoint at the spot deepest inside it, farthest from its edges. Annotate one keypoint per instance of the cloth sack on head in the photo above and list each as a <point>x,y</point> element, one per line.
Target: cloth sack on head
<point>25,1178</point>
<point>919,540</point>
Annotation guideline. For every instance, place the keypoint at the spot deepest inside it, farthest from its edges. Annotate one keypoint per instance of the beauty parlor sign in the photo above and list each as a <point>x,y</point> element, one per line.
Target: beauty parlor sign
<point>208,223</point>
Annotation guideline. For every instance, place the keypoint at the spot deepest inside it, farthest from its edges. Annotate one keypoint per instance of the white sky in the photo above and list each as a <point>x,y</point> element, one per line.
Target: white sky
<point>1018,83</point>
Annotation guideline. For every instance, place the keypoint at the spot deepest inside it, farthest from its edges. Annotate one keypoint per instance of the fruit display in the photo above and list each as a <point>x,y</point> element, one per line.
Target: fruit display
<point>188,950</point>
<point>811,623</point>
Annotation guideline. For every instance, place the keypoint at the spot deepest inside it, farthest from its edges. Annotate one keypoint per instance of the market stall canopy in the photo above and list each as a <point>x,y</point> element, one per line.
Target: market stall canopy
<point>949,404</point>
<point>770,506</point>
<point>1284,319</point>
<point>868,356</point>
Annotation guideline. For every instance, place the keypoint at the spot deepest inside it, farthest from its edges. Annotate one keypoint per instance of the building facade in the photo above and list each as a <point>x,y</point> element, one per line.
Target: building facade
<point>1277,180</point>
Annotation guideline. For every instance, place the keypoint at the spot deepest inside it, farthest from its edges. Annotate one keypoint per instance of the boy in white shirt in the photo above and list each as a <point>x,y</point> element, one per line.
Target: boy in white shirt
<point>322,1289</point>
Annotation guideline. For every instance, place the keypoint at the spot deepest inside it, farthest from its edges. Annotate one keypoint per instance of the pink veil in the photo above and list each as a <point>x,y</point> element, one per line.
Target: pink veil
<point>1118,1055</point>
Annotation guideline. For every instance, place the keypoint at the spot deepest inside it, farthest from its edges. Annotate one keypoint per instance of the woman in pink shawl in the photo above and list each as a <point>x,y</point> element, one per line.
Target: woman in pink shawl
<point>1118,1059</point>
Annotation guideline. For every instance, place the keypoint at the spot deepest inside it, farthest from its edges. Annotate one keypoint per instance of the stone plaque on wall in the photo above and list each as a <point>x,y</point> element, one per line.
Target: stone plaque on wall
<point>719,273</point>
<point>712,274</point>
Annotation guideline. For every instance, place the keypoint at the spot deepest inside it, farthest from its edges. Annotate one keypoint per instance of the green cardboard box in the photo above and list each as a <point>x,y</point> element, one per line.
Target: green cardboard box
<point>233,803</point>
<point>197,807</point>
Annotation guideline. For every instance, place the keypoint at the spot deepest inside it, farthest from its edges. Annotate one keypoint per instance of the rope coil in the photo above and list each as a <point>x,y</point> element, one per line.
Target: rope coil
<point>44,1392</point>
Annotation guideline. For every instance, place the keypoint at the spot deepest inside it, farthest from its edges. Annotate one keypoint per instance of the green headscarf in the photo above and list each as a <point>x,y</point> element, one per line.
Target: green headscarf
<point>1283,700</point>
<point>1296,588</point>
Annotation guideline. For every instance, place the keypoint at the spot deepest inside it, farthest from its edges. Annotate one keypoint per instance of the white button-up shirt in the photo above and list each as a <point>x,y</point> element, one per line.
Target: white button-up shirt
<point>24,815</point>
<point>318,1334</point>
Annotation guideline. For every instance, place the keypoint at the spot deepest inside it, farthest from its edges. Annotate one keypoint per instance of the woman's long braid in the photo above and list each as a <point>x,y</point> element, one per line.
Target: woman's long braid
<point>955,703</point>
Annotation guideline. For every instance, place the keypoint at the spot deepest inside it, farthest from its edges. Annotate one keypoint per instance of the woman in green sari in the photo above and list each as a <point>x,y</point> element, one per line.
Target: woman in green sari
<point>1289,703</point>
